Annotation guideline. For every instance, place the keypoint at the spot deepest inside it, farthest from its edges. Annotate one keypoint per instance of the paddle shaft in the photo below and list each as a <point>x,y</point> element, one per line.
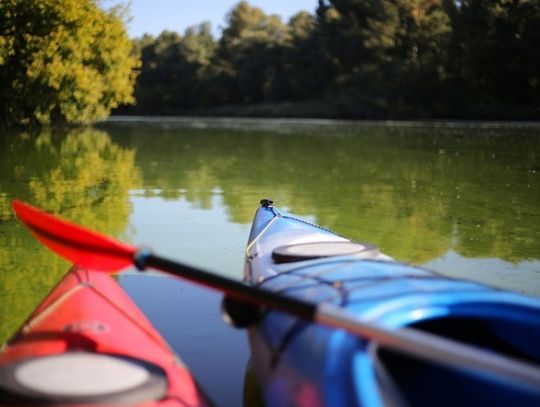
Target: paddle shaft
<point>415,343</point>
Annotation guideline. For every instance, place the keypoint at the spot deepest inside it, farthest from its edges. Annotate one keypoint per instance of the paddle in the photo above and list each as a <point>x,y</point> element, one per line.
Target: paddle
<point>96,251</point>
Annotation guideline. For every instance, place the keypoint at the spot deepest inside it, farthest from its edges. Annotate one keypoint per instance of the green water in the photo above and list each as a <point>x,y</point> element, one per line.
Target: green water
<point>462,199</point>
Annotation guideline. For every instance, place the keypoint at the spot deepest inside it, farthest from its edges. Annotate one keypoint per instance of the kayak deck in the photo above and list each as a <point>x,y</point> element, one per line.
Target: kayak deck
<point>307,364</point>
<point>87,343</point>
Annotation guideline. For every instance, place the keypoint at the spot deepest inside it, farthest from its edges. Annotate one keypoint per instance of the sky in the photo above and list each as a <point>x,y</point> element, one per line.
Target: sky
<point>154,16</point>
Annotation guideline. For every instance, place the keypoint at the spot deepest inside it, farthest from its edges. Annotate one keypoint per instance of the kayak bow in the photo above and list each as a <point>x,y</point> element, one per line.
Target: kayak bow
<point>304,364</point>
<point>87,343</point>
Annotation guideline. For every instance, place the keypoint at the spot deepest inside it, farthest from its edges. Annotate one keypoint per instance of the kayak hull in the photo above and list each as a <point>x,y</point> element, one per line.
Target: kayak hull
<point>306,364</point>
<point>87,343</point>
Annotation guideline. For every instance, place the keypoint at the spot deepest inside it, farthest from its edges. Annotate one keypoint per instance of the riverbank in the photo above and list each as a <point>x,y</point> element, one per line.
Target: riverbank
<point>224,121</point>
<point>336,110</point>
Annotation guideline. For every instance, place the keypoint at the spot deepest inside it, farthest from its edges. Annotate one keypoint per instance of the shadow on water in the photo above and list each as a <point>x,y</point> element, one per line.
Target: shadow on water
<point>461,199</point>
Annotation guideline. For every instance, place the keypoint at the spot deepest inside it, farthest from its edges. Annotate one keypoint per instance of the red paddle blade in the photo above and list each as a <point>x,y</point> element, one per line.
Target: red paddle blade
<point>82,246</point>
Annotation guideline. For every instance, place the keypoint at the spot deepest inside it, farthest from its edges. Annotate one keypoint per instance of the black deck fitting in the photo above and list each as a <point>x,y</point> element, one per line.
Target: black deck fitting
<point>266,202</point>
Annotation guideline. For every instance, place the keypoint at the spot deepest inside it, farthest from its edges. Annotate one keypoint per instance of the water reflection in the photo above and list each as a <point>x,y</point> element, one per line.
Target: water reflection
<point>416,191</point>
<point>79,174</point>
<point>463,200</point>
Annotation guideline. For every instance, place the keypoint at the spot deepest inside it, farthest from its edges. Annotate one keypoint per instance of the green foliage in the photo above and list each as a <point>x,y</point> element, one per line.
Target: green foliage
<point>307,67</point>
<point>62,61</point>
<point>174,70</point>
<point>388,55</point>
<point>356,59</point>
<point>251,50</point>
<point>70,61</point>
<point>495,56</point>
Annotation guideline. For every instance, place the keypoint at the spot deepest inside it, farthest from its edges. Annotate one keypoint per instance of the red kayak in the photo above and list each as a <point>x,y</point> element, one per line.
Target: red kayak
<point>88,344</point>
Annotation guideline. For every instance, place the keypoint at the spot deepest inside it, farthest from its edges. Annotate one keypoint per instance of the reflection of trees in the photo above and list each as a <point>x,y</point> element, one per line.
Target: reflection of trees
<point>28,272</point>
<point>414,191</point>
<point>79,174</point>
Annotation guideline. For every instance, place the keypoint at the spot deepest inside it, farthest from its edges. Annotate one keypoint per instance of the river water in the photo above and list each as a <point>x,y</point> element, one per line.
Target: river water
<point>463,199</point>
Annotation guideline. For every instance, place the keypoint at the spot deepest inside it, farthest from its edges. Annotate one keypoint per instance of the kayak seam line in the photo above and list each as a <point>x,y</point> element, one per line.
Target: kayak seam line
<point>254,241</point>
<point>62,298</point>
<point>296,218</point>
<point>162,343</point>
<point>49,308</point>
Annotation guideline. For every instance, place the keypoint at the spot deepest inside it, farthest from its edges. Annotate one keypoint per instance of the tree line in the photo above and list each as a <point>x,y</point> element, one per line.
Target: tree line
<point>352,59</point>
<point>71,61</point>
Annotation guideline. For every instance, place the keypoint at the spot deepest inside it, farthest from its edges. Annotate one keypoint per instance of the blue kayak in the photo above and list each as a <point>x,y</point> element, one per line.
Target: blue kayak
<point>302,364</point>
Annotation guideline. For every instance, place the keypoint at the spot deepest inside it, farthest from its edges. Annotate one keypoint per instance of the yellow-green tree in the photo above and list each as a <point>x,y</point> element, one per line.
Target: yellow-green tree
<point>63,61</point>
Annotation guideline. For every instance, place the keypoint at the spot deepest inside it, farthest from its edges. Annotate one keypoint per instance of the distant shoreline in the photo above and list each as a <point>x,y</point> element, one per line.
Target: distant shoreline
<point>245,121</point>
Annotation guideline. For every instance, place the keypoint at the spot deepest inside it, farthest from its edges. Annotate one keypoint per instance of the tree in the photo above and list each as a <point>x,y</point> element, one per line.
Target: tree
<point>161,60</point>
<point>198,49</point>
<point>387,56</point>
<point>307,69</point>
<point>251,54</point>
<point>198,44</point>
<point>496,62</point>
<point>175,70</point>
<point>359,38</point>
<point>420,55</point>
<point>63,61</point>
